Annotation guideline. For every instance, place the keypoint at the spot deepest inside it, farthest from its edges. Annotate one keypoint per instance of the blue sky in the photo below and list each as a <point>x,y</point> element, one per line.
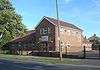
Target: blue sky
<point>82,13</point>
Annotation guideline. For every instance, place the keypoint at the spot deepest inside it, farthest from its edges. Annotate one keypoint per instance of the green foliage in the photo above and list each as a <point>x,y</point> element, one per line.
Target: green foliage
<point>10,22</point>
<point>95,40</point>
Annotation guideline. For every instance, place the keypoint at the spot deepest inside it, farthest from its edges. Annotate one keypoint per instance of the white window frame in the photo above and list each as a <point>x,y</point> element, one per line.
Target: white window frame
<point>45,30</point>
<point>61,29</point>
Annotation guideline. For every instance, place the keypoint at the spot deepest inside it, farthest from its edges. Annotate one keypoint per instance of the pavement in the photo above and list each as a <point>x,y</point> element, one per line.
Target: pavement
<point>14,65</point>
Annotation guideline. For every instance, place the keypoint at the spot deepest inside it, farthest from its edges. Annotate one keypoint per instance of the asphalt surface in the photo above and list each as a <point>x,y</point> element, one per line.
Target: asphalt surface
<point>13,65</point>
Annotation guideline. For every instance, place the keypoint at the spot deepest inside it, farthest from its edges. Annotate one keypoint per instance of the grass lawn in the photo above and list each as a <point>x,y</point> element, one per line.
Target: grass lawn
<point>47,60</point>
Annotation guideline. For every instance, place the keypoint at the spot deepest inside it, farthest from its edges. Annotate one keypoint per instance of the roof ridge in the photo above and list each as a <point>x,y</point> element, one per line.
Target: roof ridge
<point>62,22</point>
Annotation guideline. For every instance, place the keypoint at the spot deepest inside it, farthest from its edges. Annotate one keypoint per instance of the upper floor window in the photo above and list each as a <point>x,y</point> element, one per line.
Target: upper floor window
<point>78,34</point>
<point>73,33</point>
<point>45,30</point>
<point>65,30</point>
<point>68,31</point>
<point>61,29</point>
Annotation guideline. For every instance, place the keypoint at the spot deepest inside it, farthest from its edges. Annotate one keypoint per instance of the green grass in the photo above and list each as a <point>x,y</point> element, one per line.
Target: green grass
<point>46,60</point>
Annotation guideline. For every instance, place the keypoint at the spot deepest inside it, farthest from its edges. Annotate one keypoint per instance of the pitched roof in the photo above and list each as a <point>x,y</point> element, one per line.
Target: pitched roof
<point>30,32</point>
<point>62,23</point>
<point>27,37</point>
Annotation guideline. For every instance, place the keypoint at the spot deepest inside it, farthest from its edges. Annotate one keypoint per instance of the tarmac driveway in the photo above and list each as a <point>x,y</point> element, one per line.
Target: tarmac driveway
<point>13,65</point>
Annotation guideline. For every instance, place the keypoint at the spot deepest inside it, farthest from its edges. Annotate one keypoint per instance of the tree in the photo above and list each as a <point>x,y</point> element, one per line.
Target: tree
<point>10,22</point>
<point>95,40</point>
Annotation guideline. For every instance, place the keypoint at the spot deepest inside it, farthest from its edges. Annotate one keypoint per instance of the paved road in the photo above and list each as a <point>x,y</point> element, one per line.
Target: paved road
<point>12,65</point>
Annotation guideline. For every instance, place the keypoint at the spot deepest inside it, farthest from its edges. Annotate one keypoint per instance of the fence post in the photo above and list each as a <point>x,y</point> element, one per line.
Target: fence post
<point>99,50</point>
<point>84,52</point>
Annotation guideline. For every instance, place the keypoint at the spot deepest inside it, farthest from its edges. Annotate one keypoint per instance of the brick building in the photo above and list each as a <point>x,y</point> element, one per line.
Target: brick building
<point>47,36</point>
<point>21,44</point>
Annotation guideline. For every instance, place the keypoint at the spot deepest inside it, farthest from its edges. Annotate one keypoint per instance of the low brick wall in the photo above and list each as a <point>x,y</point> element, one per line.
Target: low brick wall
<point>53,54</point>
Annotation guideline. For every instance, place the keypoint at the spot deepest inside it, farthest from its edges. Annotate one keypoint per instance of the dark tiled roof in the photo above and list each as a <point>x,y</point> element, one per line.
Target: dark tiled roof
<point>29,35</point>
<point>62,23</point>
<point>30,31</point>
<point>27,40</point>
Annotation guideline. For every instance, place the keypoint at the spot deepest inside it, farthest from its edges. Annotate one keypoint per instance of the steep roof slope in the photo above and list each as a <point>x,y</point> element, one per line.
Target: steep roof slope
<point>29,35</point>
<point>62,23</point>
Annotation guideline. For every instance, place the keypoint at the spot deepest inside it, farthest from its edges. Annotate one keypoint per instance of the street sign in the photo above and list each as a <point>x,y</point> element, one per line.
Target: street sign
<point>44,38</point>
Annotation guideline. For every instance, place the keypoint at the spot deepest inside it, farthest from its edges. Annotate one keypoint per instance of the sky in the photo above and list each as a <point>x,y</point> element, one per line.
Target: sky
<point>85,14</point>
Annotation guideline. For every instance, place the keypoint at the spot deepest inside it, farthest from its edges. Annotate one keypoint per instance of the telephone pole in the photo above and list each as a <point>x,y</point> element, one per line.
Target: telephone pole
<point>57,15</point>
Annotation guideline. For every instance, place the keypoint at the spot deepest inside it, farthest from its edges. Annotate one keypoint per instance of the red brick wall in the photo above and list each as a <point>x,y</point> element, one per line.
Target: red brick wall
<point>75,40</point>
<point>51,35</point>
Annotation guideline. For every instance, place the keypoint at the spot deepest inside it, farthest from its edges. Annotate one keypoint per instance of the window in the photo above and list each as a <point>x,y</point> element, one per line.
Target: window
<point>44,30</point>
<point>73,33</point>
<point>61,29</point>
<point>79,35</point>
<point>62,44</point>
<point>44,38</point>
<point>65,30</point>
